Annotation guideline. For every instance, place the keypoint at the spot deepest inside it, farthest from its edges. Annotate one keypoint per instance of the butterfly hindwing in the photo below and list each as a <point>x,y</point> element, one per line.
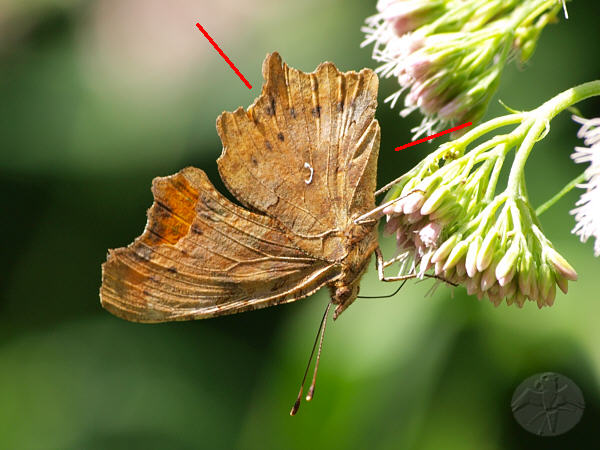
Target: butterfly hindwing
<point>202,256</point>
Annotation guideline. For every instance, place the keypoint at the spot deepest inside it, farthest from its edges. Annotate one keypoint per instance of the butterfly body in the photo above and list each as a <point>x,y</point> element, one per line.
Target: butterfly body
<point>302,162</point>
<point>361,242</point>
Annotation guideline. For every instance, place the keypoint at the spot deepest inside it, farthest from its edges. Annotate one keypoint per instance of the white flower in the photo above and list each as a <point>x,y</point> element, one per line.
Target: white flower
<point>587,213</point>
<point>448,55</point>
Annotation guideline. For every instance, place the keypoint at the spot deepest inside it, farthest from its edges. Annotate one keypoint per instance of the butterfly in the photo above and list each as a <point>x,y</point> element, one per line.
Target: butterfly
<point>302,162</point>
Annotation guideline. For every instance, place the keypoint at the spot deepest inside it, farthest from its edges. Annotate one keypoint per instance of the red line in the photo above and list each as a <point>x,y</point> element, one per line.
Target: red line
<point>218,49</point>
<point>441,133</point>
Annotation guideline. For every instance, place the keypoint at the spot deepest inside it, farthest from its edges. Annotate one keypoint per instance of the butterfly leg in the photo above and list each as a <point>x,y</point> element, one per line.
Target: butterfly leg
<point>380,264</point>
<point>378,210</point>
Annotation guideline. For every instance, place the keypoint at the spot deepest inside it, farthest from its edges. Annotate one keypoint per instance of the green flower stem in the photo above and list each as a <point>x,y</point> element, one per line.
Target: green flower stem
<point>546,205</point>
<point>541,118</point>
<point>463,141</point>
<point>491,188</point>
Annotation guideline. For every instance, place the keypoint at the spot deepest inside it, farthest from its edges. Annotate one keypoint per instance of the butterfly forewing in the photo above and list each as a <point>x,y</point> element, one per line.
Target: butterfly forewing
<point>299,153</point>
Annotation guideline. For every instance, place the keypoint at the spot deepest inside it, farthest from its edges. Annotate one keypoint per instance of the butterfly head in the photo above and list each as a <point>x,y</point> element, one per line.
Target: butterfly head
<point>343,295</point>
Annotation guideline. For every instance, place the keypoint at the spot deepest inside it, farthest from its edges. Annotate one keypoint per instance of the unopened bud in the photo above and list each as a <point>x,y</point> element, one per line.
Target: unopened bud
<point>488,279</point>
<point>520,299</point>
<point>546,280</point>
<point>549,298</point>
<point>439,267</point>
<point>561,264</point>
<point>444,250</point>
<point>523,281</point>
<point>472,284</point>
<point>391,225</point>
<point>460,269</point>
<point>471,260</point>
<point>488,247</point>
<point>430,234</point>
<point>456,254</point>
<point>435,200</point>
<point>447,208</point>
<point>507,266</point>
<point>562,282</point>
<point>414,217</point>
<point>413,202</point>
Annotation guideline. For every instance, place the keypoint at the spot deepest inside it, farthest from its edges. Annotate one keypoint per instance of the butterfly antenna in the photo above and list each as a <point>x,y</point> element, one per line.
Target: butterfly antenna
<point>385,296</point>
<point>321,333</point>
<point>311,390</point>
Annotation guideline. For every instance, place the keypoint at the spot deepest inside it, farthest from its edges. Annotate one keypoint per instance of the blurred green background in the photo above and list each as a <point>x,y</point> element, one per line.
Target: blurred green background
<point>99,97</point>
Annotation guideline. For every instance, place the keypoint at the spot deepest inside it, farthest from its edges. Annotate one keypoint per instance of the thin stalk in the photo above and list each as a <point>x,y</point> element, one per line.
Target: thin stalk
<point>541,118</point>
<point>549,203</point>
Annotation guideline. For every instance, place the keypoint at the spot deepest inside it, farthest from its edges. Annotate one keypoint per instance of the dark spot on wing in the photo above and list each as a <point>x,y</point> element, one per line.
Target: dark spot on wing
<point>340,106</point>
<point>293,113</point>
<point>268,145</point>
<point>270,110</point>
<point>316,112</point>
<point>254,161</point>
<point>196,229</point>
<point>280,137</point>
<point>163,206</point>
<point>172,269</point>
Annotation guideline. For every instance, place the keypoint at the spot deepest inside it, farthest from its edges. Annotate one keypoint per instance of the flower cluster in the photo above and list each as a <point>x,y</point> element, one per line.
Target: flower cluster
<point>449,219</point>
<point>587,213</point>
<point>449,54</point>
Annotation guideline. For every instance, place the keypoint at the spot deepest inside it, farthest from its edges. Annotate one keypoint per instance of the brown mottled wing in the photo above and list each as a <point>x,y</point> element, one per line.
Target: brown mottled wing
<point>321,121</point>
<point>201,256</point>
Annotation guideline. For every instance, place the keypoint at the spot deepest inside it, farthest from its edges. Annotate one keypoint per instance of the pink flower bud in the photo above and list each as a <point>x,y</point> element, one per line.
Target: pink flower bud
<point>561,264</point>
<point>460,268</point>
<point>472,284</point>
<point>524,282</point>
<point>506,267</point>
<point>414,217</point>
<point>394,208</point>
<point>430,234</point>
<point>439,267</point>
<point>562,282</point>
<point>507,290</point>
<point>418,66</point>
<point>413,202</point>
<point>401,238</point>
<point>504,280</point>
<point>444,250</point>
<point>485,253</point>
<point>520,299</point>
<point>391,225</point>
<point>471,260</point>
<point>546,280</point>
<point>549,298</point>
<point>457,253</point>
<point>488,279</point>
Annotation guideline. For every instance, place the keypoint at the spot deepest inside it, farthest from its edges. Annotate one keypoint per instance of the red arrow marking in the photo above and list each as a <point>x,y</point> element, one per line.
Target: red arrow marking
<point>441,133</point>
<point>218,49</point>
